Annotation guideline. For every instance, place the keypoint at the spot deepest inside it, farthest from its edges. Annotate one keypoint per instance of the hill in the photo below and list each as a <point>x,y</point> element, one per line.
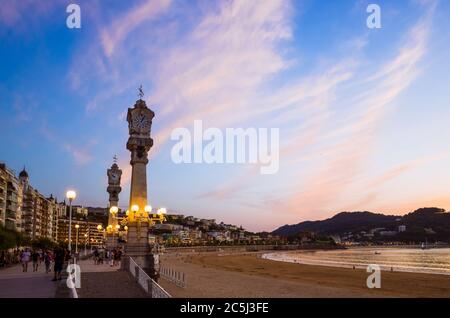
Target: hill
<point>420,225</point>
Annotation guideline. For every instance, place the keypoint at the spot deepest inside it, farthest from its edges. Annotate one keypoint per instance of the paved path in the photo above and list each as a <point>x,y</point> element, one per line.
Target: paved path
<point>104,281</point>
<point>96,281</point>
<point>88,266</point>
<point>16,284</point>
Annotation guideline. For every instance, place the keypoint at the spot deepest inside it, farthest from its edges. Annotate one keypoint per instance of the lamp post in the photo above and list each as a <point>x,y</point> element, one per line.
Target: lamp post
<point>113,210</point>
<point>71,195</point>
<point>134,218</point>
<point>85,243</point>
<point>77,226</point>
<point>117,230</point>
<point>126,233</point>
<point>99,228</point>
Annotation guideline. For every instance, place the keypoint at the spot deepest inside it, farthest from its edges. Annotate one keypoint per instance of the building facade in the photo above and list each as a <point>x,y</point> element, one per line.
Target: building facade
<point>37,211</point>
<point>25,209</point>
<point>10,199</point>
<point>87,233</point>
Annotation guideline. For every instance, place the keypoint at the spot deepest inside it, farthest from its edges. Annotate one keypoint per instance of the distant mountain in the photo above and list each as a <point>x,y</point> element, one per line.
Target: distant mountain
<point>432,223</point>
<point>341,222</point>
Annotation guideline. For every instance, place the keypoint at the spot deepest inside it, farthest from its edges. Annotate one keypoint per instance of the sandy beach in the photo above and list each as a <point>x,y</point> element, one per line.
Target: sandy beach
<point>213,274</point>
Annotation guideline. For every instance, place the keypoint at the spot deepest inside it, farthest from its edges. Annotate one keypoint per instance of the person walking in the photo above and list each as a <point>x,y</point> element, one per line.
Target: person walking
<point>35,259</point>
<point>47,261</point>
<point>112,257</point>
<point>117,257</point>
<point>59,257</point>
<point>25,259</point>
<point>96,256</point>
<point>3,259</point>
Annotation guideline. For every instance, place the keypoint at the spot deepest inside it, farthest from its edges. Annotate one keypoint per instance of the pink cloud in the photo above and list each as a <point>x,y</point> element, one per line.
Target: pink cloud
<point>346,161</point>
<point>218,72</point>
<point>113,35</point>
<point>19,14</point>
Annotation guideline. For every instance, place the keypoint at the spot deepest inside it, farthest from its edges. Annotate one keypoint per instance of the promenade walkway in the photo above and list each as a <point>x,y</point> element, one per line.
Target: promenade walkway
<point>104,281</point>
<point>16,284</point>
<point>97,281</point>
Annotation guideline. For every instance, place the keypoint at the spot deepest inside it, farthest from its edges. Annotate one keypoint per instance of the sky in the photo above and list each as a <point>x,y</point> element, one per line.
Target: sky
<point>362,113</point>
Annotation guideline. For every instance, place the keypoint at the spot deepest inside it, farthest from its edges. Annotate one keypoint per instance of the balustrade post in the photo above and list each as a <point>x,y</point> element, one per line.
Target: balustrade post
<point>150,287</point>
<point>136,273</point>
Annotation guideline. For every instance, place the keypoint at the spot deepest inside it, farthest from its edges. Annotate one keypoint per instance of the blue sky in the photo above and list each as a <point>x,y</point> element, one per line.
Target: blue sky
<point>363,113</point>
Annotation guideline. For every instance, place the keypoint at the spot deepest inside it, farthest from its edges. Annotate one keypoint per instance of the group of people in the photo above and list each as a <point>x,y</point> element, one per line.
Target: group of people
<point>9,257</point>
<point>112,256</point>
<point>58,256</point>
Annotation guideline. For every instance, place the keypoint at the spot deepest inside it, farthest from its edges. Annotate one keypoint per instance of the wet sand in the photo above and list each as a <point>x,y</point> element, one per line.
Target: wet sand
<point>247,275</point>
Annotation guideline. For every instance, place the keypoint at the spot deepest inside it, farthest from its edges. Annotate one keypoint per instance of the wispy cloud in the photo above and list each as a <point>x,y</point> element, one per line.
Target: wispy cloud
<point>348,159</point>
<point>81,156</point>
<point>340,165</point>
<point>113,35</point>
<point>230,69</point>
<point>21,16</point>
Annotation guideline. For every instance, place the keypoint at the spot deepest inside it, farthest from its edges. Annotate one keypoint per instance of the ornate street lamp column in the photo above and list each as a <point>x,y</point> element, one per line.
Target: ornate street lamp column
<point>71,195</point>
<point>114,174</point>
<point>139,143</point>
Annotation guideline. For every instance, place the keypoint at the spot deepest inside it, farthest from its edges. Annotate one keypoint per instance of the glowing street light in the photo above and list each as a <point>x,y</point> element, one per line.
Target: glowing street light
<point>148,208</point>
<point>113,210</point>
<point>71,195</point>
<point>162,211</point>
<point>101,230</point>
<point>135,208</point>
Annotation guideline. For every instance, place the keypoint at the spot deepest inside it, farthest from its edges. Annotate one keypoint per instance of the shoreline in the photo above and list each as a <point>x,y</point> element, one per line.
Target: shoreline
<point>271,255</point>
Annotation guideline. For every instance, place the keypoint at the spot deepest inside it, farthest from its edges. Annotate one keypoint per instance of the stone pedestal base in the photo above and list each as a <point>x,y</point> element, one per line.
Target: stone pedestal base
<point>138,248</point>
<point>137,239</point>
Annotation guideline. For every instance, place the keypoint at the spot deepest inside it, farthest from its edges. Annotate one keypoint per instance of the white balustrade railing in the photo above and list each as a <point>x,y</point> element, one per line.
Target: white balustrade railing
<point>146,282</point>
<point>178,278</point>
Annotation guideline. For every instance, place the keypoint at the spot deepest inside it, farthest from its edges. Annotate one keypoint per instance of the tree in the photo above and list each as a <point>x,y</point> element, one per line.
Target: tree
<point>10,238</point>
<point>43,243</point>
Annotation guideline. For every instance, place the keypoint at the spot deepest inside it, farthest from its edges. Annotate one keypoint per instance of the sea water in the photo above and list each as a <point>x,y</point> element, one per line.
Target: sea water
<point>433,261</point>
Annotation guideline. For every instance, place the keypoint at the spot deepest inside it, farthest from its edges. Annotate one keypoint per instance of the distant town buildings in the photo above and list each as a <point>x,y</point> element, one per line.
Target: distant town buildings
<point>97,211</point>
<point>87,232</point>
<point>26,210</point>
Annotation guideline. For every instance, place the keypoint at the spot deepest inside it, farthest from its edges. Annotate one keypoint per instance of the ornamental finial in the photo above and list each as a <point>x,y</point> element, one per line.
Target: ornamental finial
<point>141,92</point>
